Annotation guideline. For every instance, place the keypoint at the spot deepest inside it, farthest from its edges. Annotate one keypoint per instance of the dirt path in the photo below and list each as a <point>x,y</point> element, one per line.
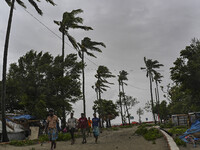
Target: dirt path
<point>123,139</point>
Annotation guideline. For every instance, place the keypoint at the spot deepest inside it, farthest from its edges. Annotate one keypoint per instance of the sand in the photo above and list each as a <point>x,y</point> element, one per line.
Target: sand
<point>123,139</point>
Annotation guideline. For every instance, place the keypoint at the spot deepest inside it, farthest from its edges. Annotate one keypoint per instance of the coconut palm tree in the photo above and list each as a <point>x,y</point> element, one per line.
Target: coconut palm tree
<point>11,4</point>
<point>150,66</point>
<point>121,78</point>
<point>157,78</point>
<point>86,45</point>
<point>70,21</point>
<point>102,75</point>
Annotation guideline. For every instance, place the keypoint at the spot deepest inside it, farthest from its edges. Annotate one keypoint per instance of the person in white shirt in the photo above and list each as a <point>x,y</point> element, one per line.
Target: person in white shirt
<point>71,123</point>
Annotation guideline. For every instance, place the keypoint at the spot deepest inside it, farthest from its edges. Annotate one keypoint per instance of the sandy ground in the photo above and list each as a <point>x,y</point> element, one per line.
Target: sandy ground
<point>123,139</point>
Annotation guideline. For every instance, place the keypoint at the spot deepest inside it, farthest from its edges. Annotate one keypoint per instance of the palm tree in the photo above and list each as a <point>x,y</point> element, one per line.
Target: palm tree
<point>150,67</point>
<point>102,75</point>
<point>87,44</point>
<point>157,78</point>
<point>121,78</point>
<point>70,21</point>
<point>11,4</point>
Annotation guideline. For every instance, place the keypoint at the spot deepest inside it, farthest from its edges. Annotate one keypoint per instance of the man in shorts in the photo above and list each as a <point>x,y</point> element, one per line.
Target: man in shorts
<point>51,126</point>
<point>72,125</point>
<point>95,125</point>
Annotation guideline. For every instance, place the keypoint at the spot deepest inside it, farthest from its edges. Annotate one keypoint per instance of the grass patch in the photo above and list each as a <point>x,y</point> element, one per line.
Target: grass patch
<point>126,126</point>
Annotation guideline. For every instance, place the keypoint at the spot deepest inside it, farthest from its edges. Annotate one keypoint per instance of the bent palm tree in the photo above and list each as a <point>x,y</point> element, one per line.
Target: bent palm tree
<point>87,44</point>
<point>150,67</point>
<point>70,21</point>
<point>157,78</point>
<point>12,3</point>
<point>121,78</point>
<point>102,75</point>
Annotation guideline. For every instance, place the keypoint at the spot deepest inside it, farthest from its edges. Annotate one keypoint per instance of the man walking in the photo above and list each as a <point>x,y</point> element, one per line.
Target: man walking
<point>72,125</point>
<point>51,126</point>
<point>95,125</point>
<point>83,124</point>
<point>89,126</point>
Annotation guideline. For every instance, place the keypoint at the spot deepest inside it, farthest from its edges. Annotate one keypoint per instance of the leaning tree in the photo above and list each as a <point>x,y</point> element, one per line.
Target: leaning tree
<point>11,4</point>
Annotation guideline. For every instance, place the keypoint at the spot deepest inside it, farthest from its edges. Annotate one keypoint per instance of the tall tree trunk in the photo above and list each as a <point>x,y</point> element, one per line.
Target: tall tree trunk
<point>100,102</point>
<point>63,121</point>
<point>152,104</point>
<point>120,102</point>
<point>83,86</point>
<point>109,123</point>
<point>63,45</point>
<point>4,132</point>
<point>156,106</point>
<point>125,104</point>
<point>158,100</point>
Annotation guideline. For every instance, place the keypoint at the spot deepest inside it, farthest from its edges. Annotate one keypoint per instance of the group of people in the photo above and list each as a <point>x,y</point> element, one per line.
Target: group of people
<point>84,124</point>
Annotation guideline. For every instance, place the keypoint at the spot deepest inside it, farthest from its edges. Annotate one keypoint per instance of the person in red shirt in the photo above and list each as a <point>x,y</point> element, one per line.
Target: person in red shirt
<point>83,124</point>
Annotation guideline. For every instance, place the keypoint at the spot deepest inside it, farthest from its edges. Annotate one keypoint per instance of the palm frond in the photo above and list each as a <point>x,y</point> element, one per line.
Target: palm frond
<point>75,26</point>
<point>78,20</point>
<point>51,2</point>
<point>57,22</point>
<point>8,2</point>
<point>21,3</point>
<point>72,40</point>
<point>34,4</point>
<point>77,11</point>
<point>91,54</point>
<point>95,49</point>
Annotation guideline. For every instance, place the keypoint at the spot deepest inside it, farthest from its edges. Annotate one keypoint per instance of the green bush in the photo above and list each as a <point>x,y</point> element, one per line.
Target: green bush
<point>64,137</point>
<point>152,134</point>
<point>179,142</point>
<point>144,125</point>
<point>141,131</point>
<point>43,138</point>
<point>167,125</point>
<point>22,143</point>
<point>177,130</point>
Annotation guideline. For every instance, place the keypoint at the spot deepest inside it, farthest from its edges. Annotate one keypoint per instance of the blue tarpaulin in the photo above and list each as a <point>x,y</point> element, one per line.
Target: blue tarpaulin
<point>22,117</point>
<point>195,127</point>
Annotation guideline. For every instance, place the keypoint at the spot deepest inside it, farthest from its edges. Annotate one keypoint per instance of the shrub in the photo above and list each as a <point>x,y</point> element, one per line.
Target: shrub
<point>167,125</point>
<point>43,138</point>
<point>141,131</point>
<point>179,142</point>
<point>22,143</point>
<point>177,130</point>
<point>64,137</point>
<point>152,134</point>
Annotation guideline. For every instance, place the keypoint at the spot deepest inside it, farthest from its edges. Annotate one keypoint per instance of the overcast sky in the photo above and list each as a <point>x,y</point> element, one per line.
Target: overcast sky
<point>131,30</point>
